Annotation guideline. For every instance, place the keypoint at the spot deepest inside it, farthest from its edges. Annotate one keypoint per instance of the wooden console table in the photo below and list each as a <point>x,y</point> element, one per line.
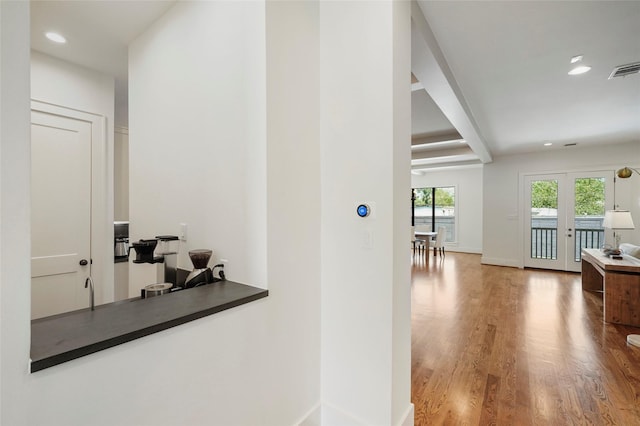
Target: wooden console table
<point>619,280</point>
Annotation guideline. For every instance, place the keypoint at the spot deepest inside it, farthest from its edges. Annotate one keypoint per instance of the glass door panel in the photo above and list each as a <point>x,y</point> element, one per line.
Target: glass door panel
<point>563,215</point>
<point>545,218</point>
<point>589,197</point>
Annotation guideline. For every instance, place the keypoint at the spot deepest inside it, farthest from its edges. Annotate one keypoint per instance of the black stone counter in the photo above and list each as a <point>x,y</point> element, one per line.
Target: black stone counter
<point>67,336</point>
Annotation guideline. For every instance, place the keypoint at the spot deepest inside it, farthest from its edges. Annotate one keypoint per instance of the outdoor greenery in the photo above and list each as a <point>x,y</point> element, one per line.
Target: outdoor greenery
<point>444,197</point>
<point>589,196</point>
<point>544,194</point>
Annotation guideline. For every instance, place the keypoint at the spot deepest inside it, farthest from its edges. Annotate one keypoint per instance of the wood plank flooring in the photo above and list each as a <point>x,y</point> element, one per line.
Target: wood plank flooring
<point>504,346</point>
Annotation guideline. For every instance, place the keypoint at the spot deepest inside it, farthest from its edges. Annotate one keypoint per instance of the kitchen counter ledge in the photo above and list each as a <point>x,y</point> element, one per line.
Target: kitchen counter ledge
<point>64,337</point>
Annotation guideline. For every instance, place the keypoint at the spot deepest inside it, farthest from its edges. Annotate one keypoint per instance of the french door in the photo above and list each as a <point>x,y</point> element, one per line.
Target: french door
<point>563,215</point>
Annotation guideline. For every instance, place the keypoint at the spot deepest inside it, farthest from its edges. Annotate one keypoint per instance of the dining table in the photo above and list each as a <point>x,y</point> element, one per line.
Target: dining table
<point>425,236</point>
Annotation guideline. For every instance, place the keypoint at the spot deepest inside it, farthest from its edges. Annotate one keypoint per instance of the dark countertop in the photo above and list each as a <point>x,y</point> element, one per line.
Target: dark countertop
<point>67,336</point>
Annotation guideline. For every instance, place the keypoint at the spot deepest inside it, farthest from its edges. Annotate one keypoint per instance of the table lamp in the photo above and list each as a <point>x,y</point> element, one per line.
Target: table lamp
<point>617,220</point>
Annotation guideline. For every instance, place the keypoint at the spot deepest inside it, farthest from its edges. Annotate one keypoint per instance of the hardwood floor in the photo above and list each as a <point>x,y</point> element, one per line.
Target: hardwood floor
<point>505,346</point>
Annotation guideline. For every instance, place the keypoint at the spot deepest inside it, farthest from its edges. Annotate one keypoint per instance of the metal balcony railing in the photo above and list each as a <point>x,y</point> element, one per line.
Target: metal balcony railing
<point>587,238</point>
<point>544,242</point>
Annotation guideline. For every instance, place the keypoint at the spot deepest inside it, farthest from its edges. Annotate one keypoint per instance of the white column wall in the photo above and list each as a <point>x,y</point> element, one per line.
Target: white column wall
<point>121,174</point>
<point>362,163</point>
<point>468,183</point>
<point>502,200</point>
<point>293,205</point>
<point>15,243</point>
<point>402,410</point>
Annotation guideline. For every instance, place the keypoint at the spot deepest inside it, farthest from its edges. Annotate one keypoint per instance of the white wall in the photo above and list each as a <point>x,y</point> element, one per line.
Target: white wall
<point>468,184</point>
<point>196,136</point>
<point>502,200</point>
<point>198,155</point>
<point>71,86</point>
<point>121,174</point>
<point>365,140</point>
<point>15,245</point>
<point>225,369</point>
<point>293,205</point>
<point>402,410</point>
<point>259,363</point>
<point>66,84</point>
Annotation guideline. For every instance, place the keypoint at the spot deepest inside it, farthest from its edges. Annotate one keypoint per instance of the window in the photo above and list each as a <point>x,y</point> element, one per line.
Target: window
<point>440,213</point>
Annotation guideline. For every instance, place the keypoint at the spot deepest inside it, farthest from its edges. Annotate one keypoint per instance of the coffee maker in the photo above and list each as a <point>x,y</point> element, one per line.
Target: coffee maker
<point>146,253</point>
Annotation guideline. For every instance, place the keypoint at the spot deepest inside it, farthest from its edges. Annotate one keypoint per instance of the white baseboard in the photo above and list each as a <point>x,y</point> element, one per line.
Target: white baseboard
<point>330,415</point>
<point>407,419</point>
<point>470,250</point>
<point>500,262</point>
<point>312,418</point>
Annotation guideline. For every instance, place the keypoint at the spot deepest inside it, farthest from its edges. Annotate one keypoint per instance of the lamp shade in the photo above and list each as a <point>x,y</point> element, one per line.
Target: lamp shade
<point>626,172</point>
<point>618,219</point>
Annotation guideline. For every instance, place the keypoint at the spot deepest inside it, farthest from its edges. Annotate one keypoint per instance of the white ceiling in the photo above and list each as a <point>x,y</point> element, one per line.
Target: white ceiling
<point>495,72</point>
<point>98,34</point>
<point>510,60</point>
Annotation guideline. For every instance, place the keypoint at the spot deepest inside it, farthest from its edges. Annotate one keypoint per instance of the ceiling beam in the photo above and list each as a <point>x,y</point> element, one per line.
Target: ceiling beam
<point>431,69</point>
<point>457,165</point>
<point>434,138</point>
<point>449,160</point>
<point>451,152</point>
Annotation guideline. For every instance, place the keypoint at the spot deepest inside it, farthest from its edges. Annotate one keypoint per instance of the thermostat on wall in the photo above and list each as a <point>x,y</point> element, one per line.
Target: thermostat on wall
<point>363,210</point>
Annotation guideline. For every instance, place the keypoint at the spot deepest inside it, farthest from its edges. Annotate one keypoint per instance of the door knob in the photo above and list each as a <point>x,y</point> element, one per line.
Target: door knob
<point>84,262</point>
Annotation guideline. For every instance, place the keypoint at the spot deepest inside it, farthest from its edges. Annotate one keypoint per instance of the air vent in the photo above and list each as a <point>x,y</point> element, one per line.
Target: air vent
<point>625,70</point>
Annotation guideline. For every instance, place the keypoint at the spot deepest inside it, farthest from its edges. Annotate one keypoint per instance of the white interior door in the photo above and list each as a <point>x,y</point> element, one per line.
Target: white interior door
<point>60,213</point>
<point>563,214</point>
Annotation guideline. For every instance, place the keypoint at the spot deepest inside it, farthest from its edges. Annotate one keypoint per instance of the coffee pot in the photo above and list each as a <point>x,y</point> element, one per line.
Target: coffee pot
<point>121,248</point>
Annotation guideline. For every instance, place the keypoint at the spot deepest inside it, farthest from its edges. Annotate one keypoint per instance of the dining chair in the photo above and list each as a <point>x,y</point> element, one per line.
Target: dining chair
<point>438,244</point>
<point>417,243</point>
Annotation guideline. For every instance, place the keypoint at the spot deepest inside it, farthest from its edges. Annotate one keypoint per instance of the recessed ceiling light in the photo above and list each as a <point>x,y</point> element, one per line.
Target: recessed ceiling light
<point>55,37</point>
<point>579,68</point>
<point>548,144</point>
